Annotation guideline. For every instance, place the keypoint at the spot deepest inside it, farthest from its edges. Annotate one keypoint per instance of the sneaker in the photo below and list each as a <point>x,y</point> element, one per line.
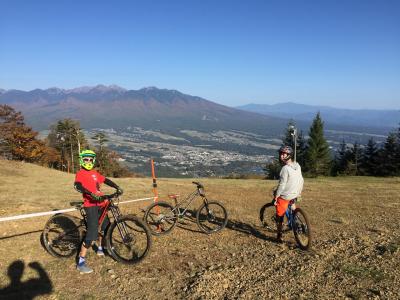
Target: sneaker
<point>84,269</point>
<point>100,252</point>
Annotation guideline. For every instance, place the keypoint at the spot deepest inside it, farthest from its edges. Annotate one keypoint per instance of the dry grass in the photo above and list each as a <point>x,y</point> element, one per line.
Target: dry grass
<point>355,251</point>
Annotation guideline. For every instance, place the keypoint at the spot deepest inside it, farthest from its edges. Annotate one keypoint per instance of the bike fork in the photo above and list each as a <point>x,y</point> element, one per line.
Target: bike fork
<point>289,216</point>
<point>120,225</point>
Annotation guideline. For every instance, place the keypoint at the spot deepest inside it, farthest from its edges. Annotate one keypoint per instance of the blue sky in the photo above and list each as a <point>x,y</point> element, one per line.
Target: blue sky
<point>340,53</point>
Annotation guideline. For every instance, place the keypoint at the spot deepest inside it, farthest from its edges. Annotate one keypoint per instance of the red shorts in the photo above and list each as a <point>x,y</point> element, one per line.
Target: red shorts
<point>281,206</point>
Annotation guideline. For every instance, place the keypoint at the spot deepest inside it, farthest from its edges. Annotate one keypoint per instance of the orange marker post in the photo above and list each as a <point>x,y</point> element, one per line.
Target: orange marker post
<point>153,175</point>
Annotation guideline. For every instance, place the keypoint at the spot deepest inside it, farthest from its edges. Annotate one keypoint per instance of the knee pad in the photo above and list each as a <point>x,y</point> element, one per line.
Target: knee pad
<point>87,243</point>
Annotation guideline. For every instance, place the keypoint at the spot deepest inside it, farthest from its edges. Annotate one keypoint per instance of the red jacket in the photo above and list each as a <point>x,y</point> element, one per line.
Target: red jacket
<point>90,180</point>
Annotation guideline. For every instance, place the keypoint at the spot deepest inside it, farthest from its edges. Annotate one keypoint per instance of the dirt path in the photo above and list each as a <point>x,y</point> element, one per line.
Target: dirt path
<point>355,252</point>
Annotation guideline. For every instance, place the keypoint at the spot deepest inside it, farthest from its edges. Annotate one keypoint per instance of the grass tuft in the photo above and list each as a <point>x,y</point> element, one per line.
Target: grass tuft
<point>362,272</point>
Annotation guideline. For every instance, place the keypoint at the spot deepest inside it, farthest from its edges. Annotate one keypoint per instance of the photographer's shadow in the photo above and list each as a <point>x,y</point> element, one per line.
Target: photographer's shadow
<point>28,289</point>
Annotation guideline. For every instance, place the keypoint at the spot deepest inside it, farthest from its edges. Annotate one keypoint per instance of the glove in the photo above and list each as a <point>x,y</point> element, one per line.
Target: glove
<point>120,191</point>
<point>97,197</point>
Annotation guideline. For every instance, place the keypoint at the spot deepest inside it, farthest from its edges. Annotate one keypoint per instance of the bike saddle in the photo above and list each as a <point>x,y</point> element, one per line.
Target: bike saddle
<point>76,203</point>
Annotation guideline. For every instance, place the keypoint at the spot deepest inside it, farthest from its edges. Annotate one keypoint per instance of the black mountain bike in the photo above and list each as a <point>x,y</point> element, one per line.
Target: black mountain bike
<point>295,220</point>
<point>127,239</point>
<point>161,217</point>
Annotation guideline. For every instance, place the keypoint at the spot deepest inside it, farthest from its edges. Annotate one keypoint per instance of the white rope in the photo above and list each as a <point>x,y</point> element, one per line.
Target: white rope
<point>136,200</point>
<point>53,212</point>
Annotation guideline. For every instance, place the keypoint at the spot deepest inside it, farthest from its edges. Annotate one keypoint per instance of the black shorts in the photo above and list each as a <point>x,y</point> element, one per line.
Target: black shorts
<point>93,214</point>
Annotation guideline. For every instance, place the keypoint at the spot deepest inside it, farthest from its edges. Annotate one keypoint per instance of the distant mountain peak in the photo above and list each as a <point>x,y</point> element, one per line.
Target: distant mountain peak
<point>149,88</point>
<point>100,88</point>
<point>55,90</point>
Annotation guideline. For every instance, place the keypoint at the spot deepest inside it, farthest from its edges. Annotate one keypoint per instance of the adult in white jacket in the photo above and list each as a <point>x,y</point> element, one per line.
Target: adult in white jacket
<point>290,185</point>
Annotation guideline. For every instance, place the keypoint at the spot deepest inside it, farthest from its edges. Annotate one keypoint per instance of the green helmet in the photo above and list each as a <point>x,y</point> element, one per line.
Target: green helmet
<point>87,158</point>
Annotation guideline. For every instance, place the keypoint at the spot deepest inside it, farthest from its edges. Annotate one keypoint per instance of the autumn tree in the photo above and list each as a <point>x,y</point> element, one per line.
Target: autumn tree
<point>17,140</point>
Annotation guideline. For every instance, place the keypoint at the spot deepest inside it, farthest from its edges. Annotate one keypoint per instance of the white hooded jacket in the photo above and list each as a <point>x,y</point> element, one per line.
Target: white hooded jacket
<point>290,182</point>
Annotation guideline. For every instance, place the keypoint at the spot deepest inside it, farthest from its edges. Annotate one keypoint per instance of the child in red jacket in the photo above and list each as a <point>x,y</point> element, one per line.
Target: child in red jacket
<point>87,182</point>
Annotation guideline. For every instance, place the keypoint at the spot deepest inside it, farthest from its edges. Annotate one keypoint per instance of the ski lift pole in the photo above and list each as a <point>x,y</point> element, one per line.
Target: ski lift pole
<point>294,135</point>
<point>295,143</point>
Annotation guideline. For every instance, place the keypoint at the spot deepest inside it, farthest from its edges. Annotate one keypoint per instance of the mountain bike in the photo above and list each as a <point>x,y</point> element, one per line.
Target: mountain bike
<point>127,238</point>
<point>161,217</point>
<point>295,220</point>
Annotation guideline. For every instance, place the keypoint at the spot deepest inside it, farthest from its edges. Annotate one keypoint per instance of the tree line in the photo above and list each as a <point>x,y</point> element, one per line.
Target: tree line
<point>316,158</point>
<point>59,150</point>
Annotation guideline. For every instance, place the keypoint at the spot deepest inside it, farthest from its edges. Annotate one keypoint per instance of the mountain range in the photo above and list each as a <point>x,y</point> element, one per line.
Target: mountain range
<point>170,110</point>
<point>351,117</point>
<point>114,107</point>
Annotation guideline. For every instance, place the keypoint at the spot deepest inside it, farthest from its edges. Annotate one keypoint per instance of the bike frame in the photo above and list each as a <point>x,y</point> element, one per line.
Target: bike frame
<point>289,214</point>
<point>187,200</point>
<point>110,206</point>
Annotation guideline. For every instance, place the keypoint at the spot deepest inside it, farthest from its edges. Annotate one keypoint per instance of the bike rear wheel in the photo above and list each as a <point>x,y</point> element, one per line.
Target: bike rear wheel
<point>211,217</point>
<point>62,235</point>
<point>160,218</point>
<point>128,240</point>
<point>268,217</point>
<point>301,229</point>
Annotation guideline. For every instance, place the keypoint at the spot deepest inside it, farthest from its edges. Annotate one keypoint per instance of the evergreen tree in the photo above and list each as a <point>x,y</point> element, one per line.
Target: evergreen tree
<point>100,138</point>
<point>272,169</point>
<point>318,154</point>
<point>397,154</point>
<point>341,160</point>
<point>109,165</point>
<point>369,159</point>
<point>301,151</point>
<point>387,157</point>
<point>354,160</point>
<point>66,136</point>
<point>102,153</point>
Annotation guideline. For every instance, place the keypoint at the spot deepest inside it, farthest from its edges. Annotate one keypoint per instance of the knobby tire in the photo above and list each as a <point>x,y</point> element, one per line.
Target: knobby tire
<point>211,217</point>
<point>160,218</point>
<point>62,235</point>
<point>301,229</point>
<point>134,246</point>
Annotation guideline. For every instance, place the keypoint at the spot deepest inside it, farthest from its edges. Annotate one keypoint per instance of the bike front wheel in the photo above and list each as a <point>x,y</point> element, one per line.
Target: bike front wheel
<point>301,229</point>
<point>268,217</point>
<point>160,218</point>
<point>62,235</point>
<point>128,240</point>
<point>211,217</point>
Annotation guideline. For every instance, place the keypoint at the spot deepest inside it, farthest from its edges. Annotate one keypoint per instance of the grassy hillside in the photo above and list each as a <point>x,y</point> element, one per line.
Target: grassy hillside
<point>355,252</point>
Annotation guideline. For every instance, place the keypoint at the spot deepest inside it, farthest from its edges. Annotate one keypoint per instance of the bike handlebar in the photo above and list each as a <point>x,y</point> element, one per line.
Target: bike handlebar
<point>111,196</point>
<point>199,185</point>
<point>104,197</point>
